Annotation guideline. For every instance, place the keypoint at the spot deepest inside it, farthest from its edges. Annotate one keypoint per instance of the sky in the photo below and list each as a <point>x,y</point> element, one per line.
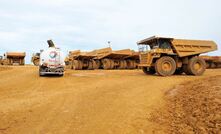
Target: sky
<point>26,25</point>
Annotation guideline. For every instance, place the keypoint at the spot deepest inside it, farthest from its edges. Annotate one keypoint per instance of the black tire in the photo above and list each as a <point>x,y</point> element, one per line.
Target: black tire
<point>151,70</point>
<point>196,66</point>
<point>207,65</point>
<point>112,64</point>
<point>122,64</point>
<point>107,64</point>
<point>96,64</point>
<point>165,66</point>
<point>131,64</point>
<point>80,65</point>
<point>77,65</point>
<point>90,65</point>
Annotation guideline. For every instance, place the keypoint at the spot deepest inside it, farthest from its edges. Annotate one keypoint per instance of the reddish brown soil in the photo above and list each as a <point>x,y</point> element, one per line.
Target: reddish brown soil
<point>84,102</point>
<point>192,107</point>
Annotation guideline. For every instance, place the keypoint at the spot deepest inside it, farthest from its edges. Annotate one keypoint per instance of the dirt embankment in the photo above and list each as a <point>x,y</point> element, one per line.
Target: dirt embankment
<point>193,107</point>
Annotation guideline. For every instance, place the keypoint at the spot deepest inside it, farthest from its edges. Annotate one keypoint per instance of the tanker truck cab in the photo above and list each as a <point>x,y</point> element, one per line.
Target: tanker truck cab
<point>51,61</point>
<point>168,56</point>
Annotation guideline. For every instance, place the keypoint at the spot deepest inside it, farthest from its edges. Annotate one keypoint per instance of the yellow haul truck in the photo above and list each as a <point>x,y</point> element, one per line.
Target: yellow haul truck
<point>35,59</point>
<point>106,58</point>
<point>168,56</point>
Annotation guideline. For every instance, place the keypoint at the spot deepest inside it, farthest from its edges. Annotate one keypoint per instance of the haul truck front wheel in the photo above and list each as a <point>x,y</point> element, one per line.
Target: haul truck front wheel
<point>165,66</point>
<point>196,66</point>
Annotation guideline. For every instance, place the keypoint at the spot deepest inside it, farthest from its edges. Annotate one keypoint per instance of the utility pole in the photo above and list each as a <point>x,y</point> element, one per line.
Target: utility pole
<point>109,43</point>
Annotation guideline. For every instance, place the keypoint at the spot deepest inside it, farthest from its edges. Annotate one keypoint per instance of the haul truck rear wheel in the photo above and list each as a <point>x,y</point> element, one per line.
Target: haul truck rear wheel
<point>90,65</point>
<point>131,64</point>
<point>77,65</point>
<point>165,66</point>
<point>123,64</point>
<point>96,64</point>
<point>107,64</point>
<point>112,64</point>
<point>196,66</point>
<point>150,71</point>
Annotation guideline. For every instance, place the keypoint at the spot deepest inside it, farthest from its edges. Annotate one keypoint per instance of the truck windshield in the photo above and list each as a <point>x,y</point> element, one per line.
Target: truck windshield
<point>144,48</point>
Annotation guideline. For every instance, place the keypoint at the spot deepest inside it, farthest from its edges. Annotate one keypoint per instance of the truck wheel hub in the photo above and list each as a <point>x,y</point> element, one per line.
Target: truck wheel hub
<point>197,66</point>
<point>167,66</point>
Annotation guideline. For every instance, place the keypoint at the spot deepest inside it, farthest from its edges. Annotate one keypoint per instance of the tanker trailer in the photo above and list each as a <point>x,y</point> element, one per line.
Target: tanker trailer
<point>51,61</point>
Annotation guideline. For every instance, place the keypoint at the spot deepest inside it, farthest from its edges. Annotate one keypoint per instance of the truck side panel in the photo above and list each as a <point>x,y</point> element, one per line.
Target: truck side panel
<point>192,47</point>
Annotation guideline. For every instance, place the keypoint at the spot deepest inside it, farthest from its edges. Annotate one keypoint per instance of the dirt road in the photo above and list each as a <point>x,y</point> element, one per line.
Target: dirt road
<point>82,101</point>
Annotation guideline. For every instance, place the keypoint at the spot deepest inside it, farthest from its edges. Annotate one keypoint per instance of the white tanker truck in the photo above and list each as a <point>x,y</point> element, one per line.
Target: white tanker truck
<point>51,61</point>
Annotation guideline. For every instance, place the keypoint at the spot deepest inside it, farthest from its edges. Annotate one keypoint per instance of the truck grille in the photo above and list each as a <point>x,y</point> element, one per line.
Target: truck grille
<point>143,58</point>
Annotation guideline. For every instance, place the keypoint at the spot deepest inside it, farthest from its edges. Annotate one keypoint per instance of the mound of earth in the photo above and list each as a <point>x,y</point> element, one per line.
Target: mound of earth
<point>193,107</point>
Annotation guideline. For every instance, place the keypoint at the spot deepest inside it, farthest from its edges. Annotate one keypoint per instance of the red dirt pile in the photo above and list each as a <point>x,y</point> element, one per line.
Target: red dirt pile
<point>193,107</point>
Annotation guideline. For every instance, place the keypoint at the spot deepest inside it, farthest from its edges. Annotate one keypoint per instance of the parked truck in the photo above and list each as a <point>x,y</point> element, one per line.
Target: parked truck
<point>51,61</point>
<point>167,56</point>
<point>212,61</point>
<point>1,60</point>
<point>106,58</point>
<point>35,59</point>
<point>14,58</point>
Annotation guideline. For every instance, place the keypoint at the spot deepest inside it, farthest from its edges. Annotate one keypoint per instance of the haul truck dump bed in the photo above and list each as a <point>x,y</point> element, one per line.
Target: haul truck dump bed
<point>120,59</point>
<point>14,58</point>
<point>167,56</point>
<point>104,58</point>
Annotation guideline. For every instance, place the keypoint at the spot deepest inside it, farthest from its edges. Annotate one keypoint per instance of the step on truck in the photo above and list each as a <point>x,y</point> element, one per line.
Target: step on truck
<point>51,61</point>
<point>168,56</point>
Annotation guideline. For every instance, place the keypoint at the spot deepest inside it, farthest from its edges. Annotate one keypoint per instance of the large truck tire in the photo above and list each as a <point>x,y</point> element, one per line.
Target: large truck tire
<point>36,62</point>
<point>96,64</point>
<point>165,66</point>
<point>207,65</point>
<point>106,64</point>
<point>122,64</point>
<point>90,65</point>
<point>151,70</point>
<point>196,66</point>
<point>112,64</point>
<point>77,65</point>
<point>131,64</point>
